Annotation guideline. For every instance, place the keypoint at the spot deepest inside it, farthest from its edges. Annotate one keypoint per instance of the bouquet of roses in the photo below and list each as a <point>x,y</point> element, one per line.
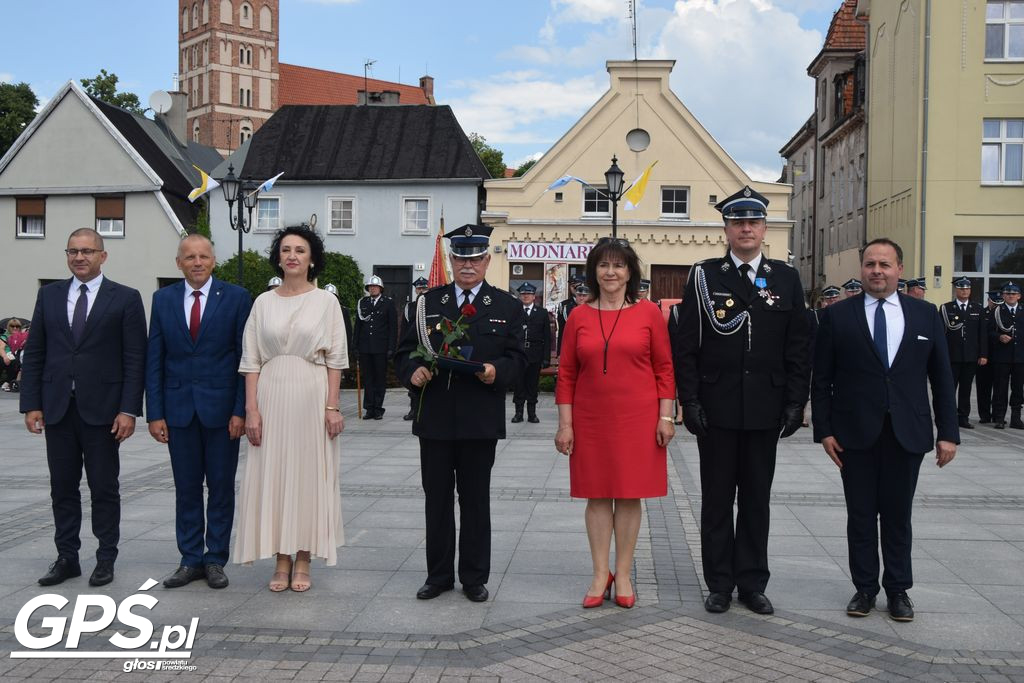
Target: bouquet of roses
<point>451,344</point>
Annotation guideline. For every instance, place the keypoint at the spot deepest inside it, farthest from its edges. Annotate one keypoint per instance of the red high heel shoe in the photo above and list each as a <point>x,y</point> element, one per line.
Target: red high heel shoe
<point>590,601</point>
<point>625,601</point>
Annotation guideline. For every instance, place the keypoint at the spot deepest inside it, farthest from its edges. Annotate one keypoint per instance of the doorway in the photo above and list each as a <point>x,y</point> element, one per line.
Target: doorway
<point>668,282</point>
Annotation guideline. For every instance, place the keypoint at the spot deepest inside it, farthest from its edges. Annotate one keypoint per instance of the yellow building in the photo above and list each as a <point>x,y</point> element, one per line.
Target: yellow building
<point>946,136</point>
<point>543,236</point>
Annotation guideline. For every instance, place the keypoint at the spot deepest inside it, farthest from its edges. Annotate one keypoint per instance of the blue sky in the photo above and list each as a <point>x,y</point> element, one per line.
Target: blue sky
<point>519,72</point>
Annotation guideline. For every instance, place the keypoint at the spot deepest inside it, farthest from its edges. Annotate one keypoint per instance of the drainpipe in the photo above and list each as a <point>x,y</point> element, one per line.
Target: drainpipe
<point>924,130</point>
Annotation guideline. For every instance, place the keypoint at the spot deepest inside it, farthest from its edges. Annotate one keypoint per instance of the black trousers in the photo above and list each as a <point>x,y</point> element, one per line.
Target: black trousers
<point>526,387</point>
<point>463,466</point>
<point>1008,380</point>
<point>736,465</point>
<point>70,444</point>
<point>879,484</point>
<point>963,380</point>
<point>374,369</point>
<point>983,379</point>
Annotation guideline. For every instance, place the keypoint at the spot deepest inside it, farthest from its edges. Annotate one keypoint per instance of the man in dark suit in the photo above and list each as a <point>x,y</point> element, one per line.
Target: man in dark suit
<point>463,409</point>
<point>537,343</point>
<point>565,308</point>
<point>1006,347</point>
<point>875,356</point>
<point>195,403</point>
<point>967,339</point>
<point>82,381</point>
<point>376,335</point>
<point>421,285</point>
<point>742,372</point>
<point>983,376</point>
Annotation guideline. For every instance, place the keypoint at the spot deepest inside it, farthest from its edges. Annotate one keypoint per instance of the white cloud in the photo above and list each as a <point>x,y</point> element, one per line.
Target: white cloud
<point>757,171</point>
<point>6,77</point>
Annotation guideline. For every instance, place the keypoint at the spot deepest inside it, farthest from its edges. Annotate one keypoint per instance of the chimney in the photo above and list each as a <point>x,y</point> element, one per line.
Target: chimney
<point>427,86</point>
<point>175,118</point>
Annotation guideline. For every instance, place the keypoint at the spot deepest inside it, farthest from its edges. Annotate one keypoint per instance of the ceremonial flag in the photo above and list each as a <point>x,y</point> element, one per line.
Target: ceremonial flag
<point>206,184</point>
<point>565,180</point>
<point>267,184</point>
<point>439,266</point>
<point>636,191</point>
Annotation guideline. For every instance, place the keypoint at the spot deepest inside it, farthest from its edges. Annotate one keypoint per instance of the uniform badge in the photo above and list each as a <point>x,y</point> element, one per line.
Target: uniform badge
<point>760,282</point>
<point>724,266</point>
<point>767,267</point>
<point>720,313</point>
<point>487,297</point>
<point>746,192</point>
<point>729,303</point>
<point>469,231</point>
<point>444,299</point>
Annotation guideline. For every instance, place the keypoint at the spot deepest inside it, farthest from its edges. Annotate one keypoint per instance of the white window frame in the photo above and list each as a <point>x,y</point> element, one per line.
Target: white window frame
<point>23,232</point>
<point>256,214</point>
<point>331,230</point>
<point>1000,143</point>
<point>110,227</point>
<point>689,201</point>
<point>406,230</point>
<point>1006,23</point>
<point>599,191</point>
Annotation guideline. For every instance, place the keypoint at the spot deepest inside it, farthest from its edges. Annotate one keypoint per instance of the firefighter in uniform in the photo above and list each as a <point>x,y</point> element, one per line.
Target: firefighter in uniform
<point>376,335</point>
<point>743,371</point>
<point>967,338</point>
<point>463,409</point>
<point>408,314</point>
<point>1006,350</point>
<point>852,287</point>
<point>565,308</point>
<point>983,376</point>
<point>537,343</point>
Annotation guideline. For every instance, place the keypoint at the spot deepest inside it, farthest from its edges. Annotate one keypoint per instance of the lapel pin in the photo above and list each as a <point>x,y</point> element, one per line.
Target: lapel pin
<point>729,303</point>
<point>444,299</point>
<point>720,313</point>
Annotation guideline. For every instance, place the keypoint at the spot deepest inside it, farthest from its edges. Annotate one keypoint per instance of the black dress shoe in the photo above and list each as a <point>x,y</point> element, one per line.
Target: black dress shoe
<point>985,420</point>
<point>60,571</point>
<point>411,415</point>
<point>379,415</point>
<point>900,607</point>
<point>758,603</point>
<point>102,574</point>
<point>717,602</point>
<point>215,576</point>
<point>183,575</point>
<point>1016,424</point>
<point>368,415</point>
<point>429,591</point>
<point>1000,425</point>
<point>966,424</point>
<point>534,419</point>
<point>518,417</point>
<point>860,604</point>
<point>476,593</point>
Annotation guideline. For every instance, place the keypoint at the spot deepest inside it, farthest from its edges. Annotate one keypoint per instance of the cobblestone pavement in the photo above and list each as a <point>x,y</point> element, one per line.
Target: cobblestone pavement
<point>362,622</point>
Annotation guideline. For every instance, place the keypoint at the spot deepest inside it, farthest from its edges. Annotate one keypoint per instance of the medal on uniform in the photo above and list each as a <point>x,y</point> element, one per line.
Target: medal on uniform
<point>729,303</point>
<point>760,283</point>
<point>767,267</point>
<point>720,313</point>
<point>725,266</point>
<point>444,299</point>
<point>487,299</point>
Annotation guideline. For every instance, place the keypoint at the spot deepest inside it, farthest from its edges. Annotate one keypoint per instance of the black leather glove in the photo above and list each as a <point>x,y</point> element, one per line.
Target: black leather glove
<point>792,420</point>
<point>694,418</point>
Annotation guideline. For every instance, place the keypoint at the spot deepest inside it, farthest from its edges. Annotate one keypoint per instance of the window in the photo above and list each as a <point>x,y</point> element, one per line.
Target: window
<point>195,16</point>
<point>1004,30</point>
<point>675,202</point>
<point>206,11</point>
<point>110,216</point>
<point>1002,148</point>
<point>268,214</point>
<point>595,202</point>
<point>839,103</point>
<point>184,20</point>
<point>195,131</point>
<point>415,215</point>
<point>988,263</point>
<point>244,97</point>
<point>31,216</point>
<point>558,196</point>
<point>244,134</point>
<point>342,212</point>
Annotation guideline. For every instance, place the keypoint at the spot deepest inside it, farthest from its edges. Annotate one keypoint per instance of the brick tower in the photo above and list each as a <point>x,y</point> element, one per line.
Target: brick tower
<point>228,68</point>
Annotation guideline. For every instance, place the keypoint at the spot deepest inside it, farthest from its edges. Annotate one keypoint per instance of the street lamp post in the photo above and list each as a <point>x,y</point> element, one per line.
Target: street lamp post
<point>613,178</point>
<point>247,196</point>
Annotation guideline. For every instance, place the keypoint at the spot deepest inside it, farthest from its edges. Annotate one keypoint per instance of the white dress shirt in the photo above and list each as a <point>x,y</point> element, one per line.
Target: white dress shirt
<point>894,323</point>
<point>754,264</point>
<point>90,295</point>
<point>460,297</point>
<point>205,295</point>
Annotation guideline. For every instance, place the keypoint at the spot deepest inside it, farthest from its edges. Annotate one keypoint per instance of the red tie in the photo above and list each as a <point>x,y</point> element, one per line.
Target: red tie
<point>193,318</point>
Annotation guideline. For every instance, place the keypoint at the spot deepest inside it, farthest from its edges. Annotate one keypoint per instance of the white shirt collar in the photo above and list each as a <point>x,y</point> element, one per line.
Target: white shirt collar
<point>92,284</point>
<point>893,299</point>
<point>755,262</point>
<point>476,289</point>
<point>205,289</point>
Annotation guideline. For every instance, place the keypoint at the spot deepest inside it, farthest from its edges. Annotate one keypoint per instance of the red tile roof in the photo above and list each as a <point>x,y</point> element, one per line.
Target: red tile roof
<point>305,85</point>
<point>845,32</point>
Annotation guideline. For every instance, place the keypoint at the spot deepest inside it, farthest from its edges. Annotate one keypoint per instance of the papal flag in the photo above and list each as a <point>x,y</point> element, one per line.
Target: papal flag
<point>636,191</point>
<point>207,183</point>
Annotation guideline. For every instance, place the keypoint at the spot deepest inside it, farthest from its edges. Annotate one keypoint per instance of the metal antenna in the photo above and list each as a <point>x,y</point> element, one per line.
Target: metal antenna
<point>366,82</point>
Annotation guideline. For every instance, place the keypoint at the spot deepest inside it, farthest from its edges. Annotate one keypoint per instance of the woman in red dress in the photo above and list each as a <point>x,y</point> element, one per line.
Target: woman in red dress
<point>614,395</point>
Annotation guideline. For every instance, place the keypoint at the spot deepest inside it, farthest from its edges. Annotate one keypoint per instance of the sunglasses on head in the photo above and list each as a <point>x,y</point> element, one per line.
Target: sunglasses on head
<point>618,241</point>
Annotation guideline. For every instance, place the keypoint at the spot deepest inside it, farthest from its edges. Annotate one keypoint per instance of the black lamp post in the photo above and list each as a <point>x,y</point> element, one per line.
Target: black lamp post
<point>613,178</point>
<point>246,194</point>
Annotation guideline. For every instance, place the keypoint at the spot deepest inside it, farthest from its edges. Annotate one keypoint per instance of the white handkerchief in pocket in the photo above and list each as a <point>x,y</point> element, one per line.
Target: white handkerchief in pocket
<point>920,338</point>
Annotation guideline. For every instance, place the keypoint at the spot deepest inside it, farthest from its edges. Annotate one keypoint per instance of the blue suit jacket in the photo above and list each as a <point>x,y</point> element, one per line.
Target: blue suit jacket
<point>850,383</point>
<point>106,366</point>
<point>186,378</point>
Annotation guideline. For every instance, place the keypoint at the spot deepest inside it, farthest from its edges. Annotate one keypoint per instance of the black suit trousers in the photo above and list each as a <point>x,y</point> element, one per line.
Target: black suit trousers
<point>70,443</point>
<point>736,465</point>
<point>879,484</point>
<point>374,367</point>
<point>1008,382</point>
<point>526,386</point>
<point>463,466</point>
<point>983,378</point>
<point>963,379</point>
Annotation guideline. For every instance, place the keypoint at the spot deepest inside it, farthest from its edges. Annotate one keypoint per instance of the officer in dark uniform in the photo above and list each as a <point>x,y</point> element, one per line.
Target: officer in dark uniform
<point>743,371</point>
<point>967,338</point>
<point>645,292</point>
<point>1006,350</point>
<point>917,288</point>
<point>829,295</point>
<point>273,283</point>
<point>901,286</point>
<point>408,314</point>
<point>463,411</point>
<point>565,308</point>
<point>983,377</point>
<point>852,287</point>
<point>376,335</point>
<point>346,315</point>
<point>537,343</point>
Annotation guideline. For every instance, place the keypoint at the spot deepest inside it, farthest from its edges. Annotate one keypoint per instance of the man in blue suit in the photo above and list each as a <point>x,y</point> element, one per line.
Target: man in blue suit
<point>195,402</point>
<point>875,355</point>
<point>82,380</point>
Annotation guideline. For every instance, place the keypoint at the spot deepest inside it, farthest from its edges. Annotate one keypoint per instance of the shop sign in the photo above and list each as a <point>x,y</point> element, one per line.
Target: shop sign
<point>548,251</point>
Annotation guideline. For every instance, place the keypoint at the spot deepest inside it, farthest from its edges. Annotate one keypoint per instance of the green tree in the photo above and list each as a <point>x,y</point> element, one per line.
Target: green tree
<point>104,87</point>
<point>17,109</point>
<point>201,225</point>
<point>343,272</point>
<point>257,271</point>
<point>525,166</point>
<point>493,159</point>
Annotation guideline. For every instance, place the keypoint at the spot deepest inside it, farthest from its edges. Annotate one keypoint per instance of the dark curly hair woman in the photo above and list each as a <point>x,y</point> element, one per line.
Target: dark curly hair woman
<point>314,247</point>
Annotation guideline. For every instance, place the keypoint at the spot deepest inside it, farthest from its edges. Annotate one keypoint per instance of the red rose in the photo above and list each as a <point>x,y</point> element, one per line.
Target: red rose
<point>468,311</point>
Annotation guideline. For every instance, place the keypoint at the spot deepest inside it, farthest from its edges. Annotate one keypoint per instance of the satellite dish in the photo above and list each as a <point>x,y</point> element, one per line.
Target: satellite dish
<point>160,102</point>
<point>638,139</point>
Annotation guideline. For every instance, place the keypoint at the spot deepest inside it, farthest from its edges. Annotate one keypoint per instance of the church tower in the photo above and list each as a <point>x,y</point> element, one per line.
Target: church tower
<point>228,68</point>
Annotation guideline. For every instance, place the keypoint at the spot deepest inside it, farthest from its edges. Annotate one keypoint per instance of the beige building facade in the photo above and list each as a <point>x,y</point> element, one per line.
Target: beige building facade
<point>543,236</point>
<point>946,137</point>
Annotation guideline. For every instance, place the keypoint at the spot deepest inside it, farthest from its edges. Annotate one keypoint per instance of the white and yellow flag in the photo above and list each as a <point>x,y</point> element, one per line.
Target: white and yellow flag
<point>636,191</point>
<point>205,185</point>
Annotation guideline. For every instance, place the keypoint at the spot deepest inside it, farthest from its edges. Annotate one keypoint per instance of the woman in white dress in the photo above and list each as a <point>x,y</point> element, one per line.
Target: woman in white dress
<point>293,353</point>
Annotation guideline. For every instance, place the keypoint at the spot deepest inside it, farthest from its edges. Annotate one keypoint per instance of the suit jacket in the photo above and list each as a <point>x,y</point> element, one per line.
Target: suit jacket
<point>459,406</point>
<point>561,315</point>
<point>852,388</point>
<point>743,358</point>
<point>537,339</point>
<point>376,326</point>
<point>106,367</point>
<point>999,321</point>
<point>966,333</point>
<point>186,378</point>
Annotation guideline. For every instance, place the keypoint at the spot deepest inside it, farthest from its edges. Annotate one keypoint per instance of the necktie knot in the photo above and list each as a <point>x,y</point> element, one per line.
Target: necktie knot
<point>467,296</point>
<point>83,289</point>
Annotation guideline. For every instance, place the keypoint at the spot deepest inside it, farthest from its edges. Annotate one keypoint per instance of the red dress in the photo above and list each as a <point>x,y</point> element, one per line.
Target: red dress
<point>615,414</point>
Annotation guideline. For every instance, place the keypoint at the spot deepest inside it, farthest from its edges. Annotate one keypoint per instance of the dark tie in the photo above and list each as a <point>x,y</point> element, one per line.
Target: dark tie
<point>193,318</point>
<point>881,343</point>
<point>963,308</point>
<point>748,286</point>
<point>467,295</point>
<point>81,312</point>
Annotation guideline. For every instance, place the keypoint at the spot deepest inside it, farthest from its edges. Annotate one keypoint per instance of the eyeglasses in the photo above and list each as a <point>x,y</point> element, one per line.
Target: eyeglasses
<point>84,252</point>
<point>15,327</point>
<point>475,260</point>
<point>618,241</point>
